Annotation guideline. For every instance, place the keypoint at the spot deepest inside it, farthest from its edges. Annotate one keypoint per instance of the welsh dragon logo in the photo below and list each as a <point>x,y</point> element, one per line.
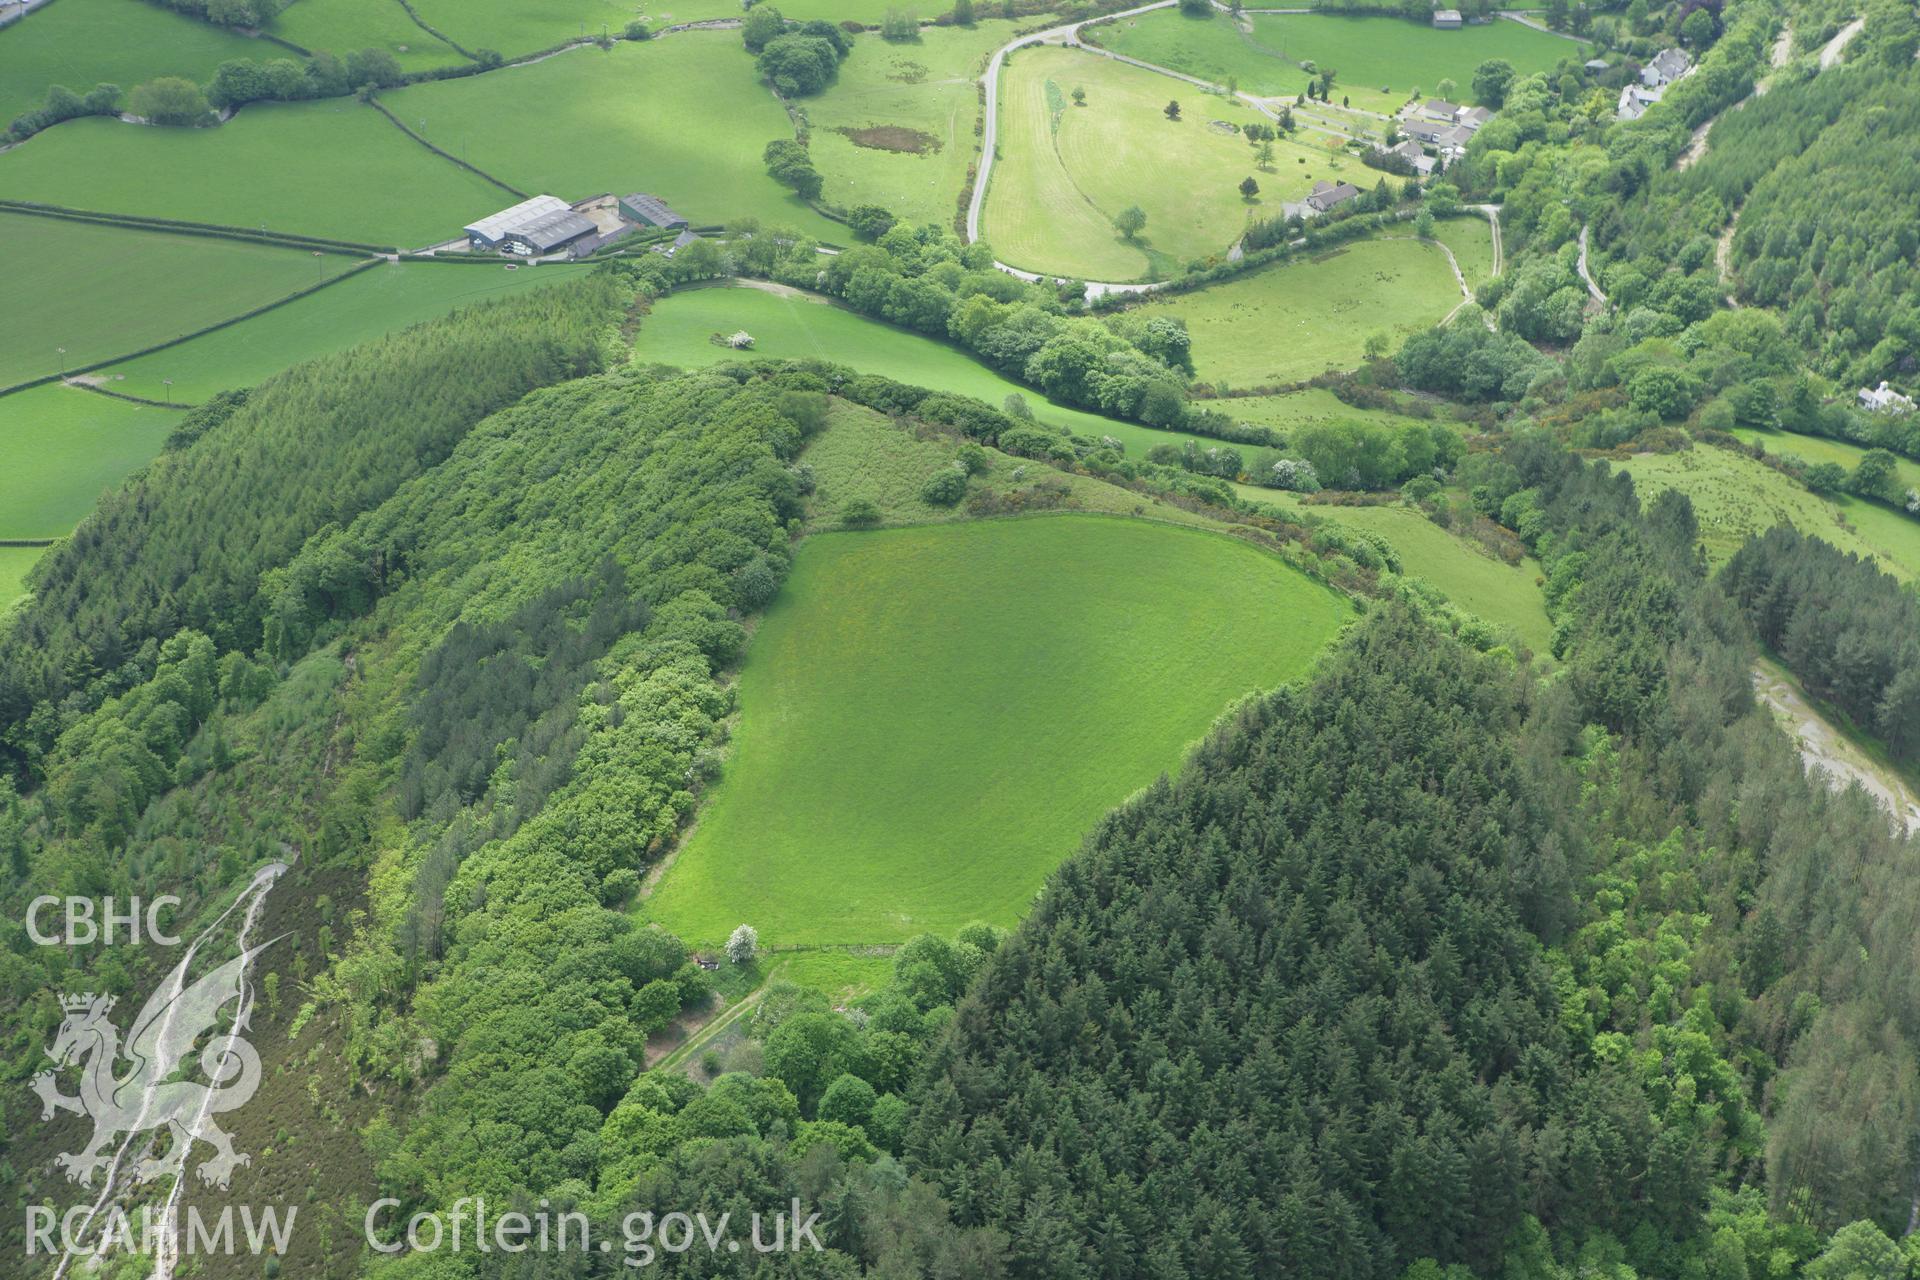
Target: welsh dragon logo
<point>146,1097</point>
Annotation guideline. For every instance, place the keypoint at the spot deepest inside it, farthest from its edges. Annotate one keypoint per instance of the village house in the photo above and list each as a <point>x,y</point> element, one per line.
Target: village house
<point>1634,101</point>
<point>680,242</point>
<point>1411,152</point>
<point>1327,195</point>
<point>1667,66</point>
<point>1884,399</point>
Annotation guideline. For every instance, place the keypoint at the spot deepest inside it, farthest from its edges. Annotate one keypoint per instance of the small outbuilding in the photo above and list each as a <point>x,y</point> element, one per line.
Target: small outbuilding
<point>1446,19</point>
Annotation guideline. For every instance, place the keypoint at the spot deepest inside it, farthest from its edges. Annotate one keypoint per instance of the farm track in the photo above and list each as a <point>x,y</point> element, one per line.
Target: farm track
<point>1836,48</point>
<point>1825,749</point>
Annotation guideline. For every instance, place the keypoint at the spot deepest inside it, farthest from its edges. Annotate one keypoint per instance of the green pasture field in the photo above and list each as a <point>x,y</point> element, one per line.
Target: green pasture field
<point>685,118</point>
<point>518,27</point>
<point>341,26</point>
<point>1290,410</point>
<point>1212,48</point>
<point>1379,61</point>
<point>932,718</point>
<point>861,454</point>
<point>841,975</point>
<point>333,168</point>
<point>81,43</point>
<point>374,302</point>
<point>1735,497</point>
<point>1389,59</point>
<point>1287,322</point>
<point>103,291</point>
<point>791,325</point>
<point>1816,449</point>
<point>1472,243</point>
<point>1065,171</point>
<point>14,563</point>
<point>64,446</point>
<point>926,86</point>
<point>1503,594</point>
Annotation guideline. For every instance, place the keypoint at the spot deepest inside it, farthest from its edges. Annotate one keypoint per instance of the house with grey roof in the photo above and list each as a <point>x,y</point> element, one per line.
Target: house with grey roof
<point>1884,399</point>
<point>1635,99</point>
<point>1327,195</point>
<point>1446,19</point>
<point>1667,66</point>
<point>1413,154</point>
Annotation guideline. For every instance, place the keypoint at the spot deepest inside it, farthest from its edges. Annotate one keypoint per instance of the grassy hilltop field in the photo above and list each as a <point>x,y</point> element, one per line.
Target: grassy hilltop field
<point>907,760</point>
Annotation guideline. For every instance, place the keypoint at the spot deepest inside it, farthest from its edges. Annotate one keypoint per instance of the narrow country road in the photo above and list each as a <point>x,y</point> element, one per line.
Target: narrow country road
<point>1587,276</point>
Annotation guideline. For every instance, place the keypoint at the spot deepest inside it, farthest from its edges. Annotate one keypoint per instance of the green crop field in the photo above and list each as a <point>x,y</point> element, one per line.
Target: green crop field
<point>14,563</point>
<point>518,27</point>
<point>1065,171</point>
<point>791,325</point>
<point>102,291</point>
<point>684,117</point>
<point>1816,449</point>
<point>1735,497</point>
<point>63,447</point>
<point>339,26</point>
<point>862,454</point>
<point>1472,243</point>
<point>1507,595</point>
<point>1291,410</point>
<point>332,168</point>
<point>1392,58</point>
<point>897,128</point>
<point>1287,322</point>
<point>373,302</point>
<point>1379,61</point>
<point>81,43</point>
<point>932,718</point>
<point>1212,48</point>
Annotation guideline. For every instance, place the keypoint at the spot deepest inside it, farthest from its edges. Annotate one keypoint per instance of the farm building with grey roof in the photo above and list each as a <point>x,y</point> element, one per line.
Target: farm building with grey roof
<point>651,211</point>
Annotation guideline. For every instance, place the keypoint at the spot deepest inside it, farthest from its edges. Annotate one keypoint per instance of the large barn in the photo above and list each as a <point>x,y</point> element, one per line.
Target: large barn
<point>540,225</point>
<point>650,211</point>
